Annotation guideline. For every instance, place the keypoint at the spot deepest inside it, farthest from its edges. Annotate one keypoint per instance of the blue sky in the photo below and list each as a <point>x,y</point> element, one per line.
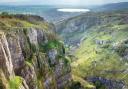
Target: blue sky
<point>59,2</point>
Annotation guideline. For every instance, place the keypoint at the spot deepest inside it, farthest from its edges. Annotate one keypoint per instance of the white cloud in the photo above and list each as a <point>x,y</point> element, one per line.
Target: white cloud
<point>73,10</point>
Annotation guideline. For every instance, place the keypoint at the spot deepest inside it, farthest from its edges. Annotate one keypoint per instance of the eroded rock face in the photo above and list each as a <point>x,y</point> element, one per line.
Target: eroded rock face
<point>15,51</point>
<point>32,34</point>
<point>62,81</point>
<point>29,75</point>
<point>6,64</point>
<point>5,57</point>
<point>41,37</point>
<point>108,83</point>
<point>22,54</point>
<point>52,55</point>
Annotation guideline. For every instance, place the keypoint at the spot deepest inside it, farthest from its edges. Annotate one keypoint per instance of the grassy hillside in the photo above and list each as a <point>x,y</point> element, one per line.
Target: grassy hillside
<point>104,53</point>
<point>26,21</point>
<point>74,29</point>
<point>103,50</point>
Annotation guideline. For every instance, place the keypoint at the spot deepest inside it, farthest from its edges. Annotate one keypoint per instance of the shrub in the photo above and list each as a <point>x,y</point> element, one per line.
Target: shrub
<point>53,44</point>
<point>122,48</point>
<point>76,85</point>
<point>15,82</point>
<point>33,48</point>
<point>99,85</point>
<point>4,14</point>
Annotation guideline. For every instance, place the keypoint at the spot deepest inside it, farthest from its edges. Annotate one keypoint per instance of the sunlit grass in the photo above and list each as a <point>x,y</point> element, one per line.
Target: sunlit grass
<point>15,82</point>
<point>95,60</point>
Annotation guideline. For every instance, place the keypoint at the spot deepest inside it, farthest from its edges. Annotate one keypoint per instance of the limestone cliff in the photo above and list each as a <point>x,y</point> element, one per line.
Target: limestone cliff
<point>31,56</point>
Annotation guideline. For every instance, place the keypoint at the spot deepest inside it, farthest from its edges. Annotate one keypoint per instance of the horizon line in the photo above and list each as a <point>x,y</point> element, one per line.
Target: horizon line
<point>11,4</point>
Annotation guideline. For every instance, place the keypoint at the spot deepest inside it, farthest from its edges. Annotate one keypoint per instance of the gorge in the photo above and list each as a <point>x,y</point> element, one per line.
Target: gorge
<point>64,50</point>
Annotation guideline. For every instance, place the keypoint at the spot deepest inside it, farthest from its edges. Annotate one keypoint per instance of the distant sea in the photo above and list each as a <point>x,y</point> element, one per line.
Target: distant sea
<point>50,13</point>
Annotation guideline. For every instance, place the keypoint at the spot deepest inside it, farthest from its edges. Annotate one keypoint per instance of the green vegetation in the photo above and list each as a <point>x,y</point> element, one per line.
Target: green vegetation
<point>102,59</point>
<point>122,47</point>
<point>99,85</point>
<point>52,44</point>
<point>29,63</point>
<point>4,14</point>
<point>103,45</point>
<point>83,83</point>
<point>33,48</point>
<point>23,21</point>
<point>15,82</point>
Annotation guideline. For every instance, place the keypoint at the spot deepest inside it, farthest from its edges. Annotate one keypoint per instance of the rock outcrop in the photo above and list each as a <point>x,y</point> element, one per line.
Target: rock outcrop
<point>32,58</point>
<point>108,83</point>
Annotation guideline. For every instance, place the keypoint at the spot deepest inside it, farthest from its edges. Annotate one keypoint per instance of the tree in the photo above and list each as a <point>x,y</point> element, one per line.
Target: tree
<point>4,14</point>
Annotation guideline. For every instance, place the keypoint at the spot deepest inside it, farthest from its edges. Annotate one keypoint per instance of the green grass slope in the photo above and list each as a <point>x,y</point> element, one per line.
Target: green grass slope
<point>23,21</point>
<point>103,49</point>
<point>104,53</point>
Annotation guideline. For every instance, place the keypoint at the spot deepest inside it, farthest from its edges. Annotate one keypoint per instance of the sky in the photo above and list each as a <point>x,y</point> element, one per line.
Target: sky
<point>60,2</point>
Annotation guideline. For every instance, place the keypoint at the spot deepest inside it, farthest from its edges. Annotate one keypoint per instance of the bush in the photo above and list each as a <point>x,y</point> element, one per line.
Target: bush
<point>99,85</point>
<point>33,48</point>
<point>53,44</point>
<point>122,48</point>
<point>15,82</point>
<point>4,14</point>
<point>75,85</point>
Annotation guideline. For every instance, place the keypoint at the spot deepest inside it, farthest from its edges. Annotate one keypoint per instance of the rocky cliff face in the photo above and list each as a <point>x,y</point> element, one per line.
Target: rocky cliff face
<point>32,58</point>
